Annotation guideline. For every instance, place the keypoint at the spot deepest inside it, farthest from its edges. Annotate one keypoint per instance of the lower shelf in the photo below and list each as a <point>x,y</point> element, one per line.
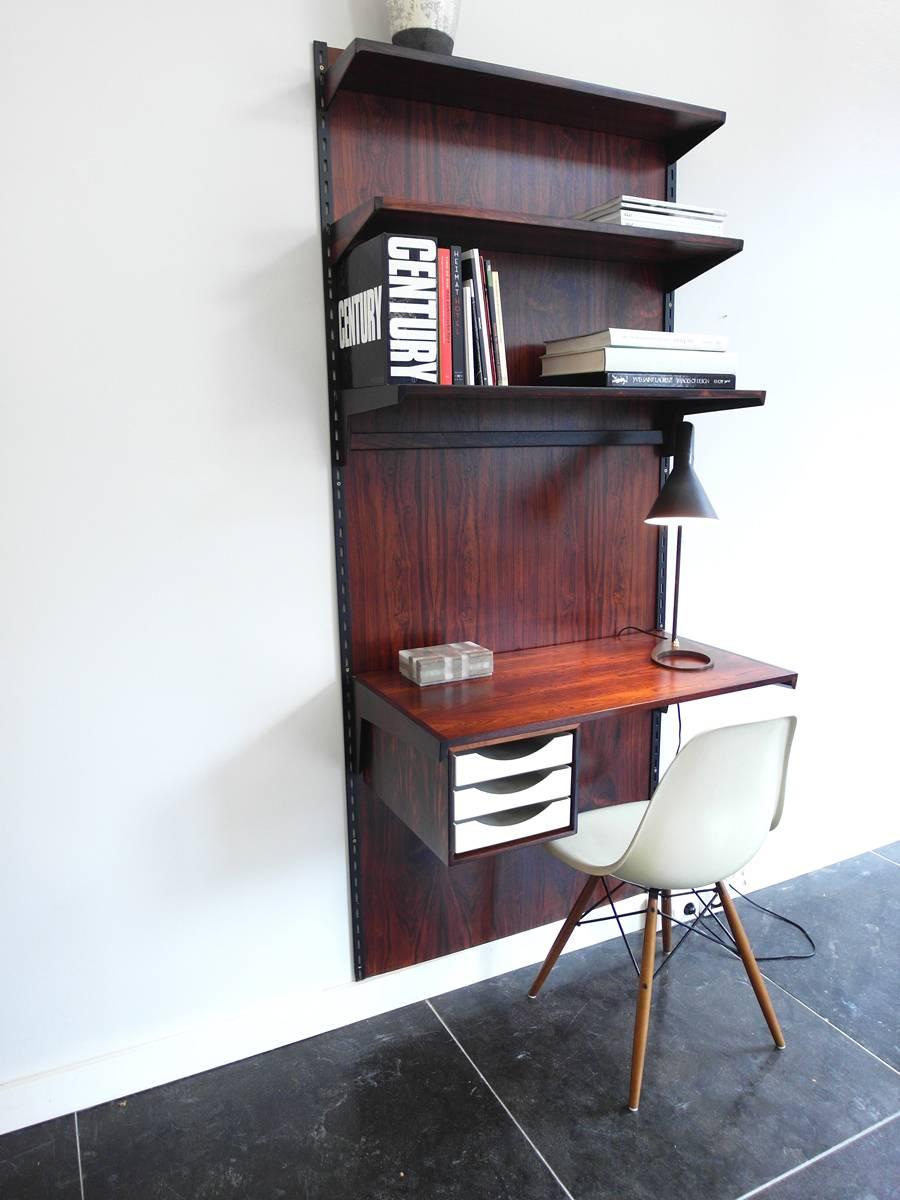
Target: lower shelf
<point>442,414</point>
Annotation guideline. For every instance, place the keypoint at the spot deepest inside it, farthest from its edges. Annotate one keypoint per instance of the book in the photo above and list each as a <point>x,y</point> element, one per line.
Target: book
<point>488,321</point>
<point>647,338</point>
<point>471,269</point>
<point>499,366</point>
<point>645,203</point>
<point>659,379</point>
<point>626,358</point>
<point>501,336</point>
<point>641,220</point>
<point>468,334</point>
<point>387,312</point>
<point>445,365</point>
<point>457,330</point>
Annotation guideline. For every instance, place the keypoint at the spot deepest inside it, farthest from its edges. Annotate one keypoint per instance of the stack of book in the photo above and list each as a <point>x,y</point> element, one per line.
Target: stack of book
<point>412,311</point>
<point>640,358</point>
<point>657,214</point>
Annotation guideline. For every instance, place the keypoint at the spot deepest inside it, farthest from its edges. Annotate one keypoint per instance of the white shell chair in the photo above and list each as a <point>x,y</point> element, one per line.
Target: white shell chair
<point>707,818</point>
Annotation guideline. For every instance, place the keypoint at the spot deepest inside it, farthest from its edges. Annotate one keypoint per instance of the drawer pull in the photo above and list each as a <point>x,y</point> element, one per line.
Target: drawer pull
<point>510,826</point>
<point>514,783</point>
<point>517,792</point>
<point>506,750</point>
<point>513,816</point>
<point>512,758</point>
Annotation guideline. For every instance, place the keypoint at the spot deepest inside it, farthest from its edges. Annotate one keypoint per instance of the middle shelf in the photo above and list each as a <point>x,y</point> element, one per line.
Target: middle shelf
<point>680,256</point>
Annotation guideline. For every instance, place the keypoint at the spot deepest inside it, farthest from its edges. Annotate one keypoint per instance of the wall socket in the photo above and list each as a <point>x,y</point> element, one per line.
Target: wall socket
<point>740,880</point>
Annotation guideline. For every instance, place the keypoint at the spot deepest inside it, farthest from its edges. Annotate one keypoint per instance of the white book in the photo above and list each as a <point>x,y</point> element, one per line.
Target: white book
<point>648,338</point>
<point>646,204</point>
<point>501,337</point>
<point>627,358</point>
<point>596,214</point>
<point>467,332</point>
<point>672,224</point>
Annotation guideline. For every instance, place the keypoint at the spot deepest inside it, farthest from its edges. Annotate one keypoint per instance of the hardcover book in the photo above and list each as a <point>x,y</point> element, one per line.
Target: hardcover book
<point>457,319</point>
<point>387,312</point>
<point>646,338</point>
<point>659,379</point>
<point>638,358</point>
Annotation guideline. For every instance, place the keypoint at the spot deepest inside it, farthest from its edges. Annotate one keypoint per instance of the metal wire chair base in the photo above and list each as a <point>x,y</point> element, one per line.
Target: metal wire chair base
<point>722,937</point>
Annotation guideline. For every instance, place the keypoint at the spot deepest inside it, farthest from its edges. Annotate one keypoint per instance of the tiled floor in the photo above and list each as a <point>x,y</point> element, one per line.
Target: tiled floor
<point>484,1094</point>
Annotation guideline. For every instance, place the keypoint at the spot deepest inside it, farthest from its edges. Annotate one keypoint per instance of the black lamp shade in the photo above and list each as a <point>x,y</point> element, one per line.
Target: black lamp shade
<point>682,497</point>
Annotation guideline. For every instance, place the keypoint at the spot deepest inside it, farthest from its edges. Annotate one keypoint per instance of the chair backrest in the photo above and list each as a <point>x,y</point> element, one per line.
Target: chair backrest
<point>713,807</point>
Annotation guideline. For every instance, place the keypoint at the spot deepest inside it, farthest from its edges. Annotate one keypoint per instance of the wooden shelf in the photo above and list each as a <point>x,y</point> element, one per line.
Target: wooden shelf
<point>547,687</point>
<point>681,256</point>
<point>387,70</point>
<point>667,404</point>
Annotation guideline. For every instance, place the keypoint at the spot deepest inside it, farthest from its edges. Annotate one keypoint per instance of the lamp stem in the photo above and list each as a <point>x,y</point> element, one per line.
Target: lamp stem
<point>677,583</point>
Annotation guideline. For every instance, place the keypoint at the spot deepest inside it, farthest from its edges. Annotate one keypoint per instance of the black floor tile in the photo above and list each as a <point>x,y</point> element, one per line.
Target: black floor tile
<point>39,1162</point>
<point>852,911</point>
<point>892,852</point>
<point>387,1107</point>
<point>868,1169</point>
<point>722,1111</point>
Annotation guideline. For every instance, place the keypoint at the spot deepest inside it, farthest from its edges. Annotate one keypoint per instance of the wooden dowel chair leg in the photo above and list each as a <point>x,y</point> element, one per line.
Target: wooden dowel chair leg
<point>667,922</point>
<point>578,911</point>
<point>750,964</point>
<point>645,993</point>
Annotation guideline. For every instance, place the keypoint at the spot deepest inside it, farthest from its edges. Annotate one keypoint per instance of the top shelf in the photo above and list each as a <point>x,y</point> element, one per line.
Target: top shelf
<point>386,70</point>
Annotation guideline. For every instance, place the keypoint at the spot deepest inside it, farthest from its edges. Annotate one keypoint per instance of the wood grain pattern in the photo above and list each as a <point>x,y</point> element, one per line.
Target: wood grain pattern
<point>509,548</point>
<point>580,681</point>
<point>388,70</point>
<point>415,786</point>
<point>441,541</point>
<point>418,909</point>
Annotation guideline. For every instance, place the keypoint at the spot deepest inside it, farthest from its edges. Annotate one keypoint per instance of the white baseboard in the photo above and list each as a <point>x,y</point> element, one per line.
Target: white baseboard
<point>80,1085</point>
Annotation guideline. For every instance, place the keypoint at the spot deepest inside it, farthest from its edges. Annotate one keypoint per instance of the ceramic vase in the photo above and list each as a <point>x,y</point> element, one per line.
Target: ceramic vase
<point>423,24</point>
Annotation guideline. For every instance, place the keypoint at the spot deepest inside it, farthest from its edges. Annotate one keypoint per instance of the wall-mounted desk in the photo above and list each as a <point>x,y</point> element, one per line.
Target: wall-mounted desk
<point>488,764</point>
<point>509,516</point>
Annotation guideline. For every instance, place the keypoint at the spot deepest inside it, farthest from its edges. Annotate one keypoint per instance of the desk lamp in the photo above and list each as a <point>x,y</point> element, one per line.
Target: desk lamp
<point>681,500</point>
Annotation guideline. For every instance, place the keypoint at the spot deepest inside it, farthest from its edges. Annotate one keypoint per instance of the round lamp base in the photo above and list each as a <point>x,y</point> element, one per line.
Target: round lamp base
<point>680,656</point>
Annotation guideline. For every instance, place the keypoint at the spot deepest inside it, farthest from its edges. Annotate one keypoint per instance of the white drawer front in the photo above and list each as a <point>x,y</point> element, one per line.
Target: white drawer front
<point>505,795</point>
<point>475,835</point>
<point>512,758</point>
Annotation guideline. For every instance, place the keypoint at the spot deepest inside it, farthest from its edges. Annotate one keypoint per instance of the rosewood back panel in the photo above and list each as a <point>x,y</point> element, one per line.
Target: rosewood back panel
<point>510,547</point>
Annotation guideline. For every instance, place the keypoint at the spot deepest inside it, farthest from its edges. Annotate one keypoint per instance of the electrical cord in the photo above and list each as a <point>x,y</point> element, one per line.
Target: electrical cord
<point>778,917</point>
<point>717,904</point>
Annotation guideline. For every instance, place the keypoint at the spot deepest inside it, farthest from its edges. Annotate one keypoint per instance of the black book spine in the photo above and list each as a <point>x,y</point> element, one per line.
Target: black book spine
<point>477,359</point>
<point>492,316</point>
<point>478,331</point>
<point>660,379</point>
<point>387,312</point>
<point>457,330</point>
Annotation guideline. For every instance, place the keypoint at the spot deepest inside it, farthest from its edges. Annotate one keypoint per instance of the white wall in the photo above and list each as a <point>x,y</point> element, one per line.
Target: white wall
<point>172,866</point>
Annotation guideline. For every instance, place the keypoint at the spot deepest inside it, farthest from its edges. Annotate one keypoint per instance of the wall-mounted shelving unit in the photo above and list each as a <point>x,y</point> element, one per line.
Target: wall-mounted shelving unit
<point>507,516</point>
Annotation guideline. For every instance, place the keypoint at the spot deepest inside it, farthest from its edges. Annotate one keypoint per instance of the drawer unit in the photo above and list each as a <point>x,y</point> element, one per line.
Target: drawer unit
<point>518,791</point>
<point>480,799</point>
<point>513,825</point>
<point>513,758</point>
